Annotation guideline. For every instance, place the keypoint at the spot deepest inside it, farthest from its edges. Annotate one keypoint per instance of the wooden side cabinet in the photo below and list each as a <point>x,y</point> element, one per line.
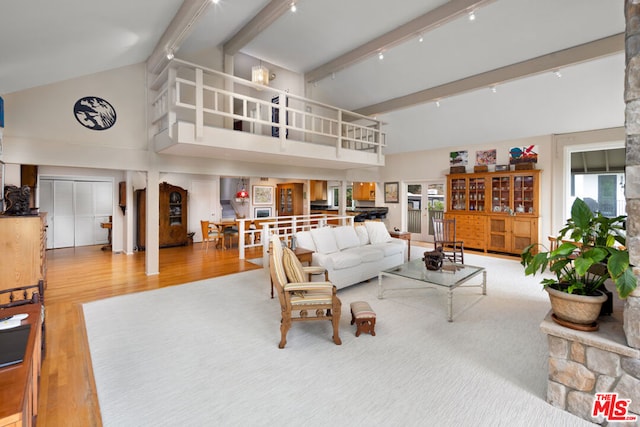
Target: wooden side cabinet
<point>23,242</point>
<point>173,216</point>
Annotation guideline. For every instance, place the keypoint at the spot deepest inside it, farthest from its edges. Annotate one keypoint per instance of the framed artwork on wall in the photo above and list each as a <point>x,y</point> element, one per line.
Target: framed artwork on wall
<point>262,195</point>
<point>261,212</point>
<point>391,192</point>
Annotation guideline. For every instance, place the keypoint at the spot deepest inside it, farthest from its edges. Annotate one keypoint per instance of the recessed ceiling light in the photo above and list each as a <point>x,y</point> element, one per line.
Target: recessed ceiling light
<point>380,56</point>
<point>293,6</point>
<point>472,16</point>
<point>420,39</point>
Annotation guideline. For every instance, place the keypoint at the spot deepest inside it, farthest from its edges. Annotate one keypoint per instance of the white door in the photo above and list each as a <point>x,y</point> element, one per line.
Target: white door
<point>424,200</point>
<point>63,218</point>
<point>203,205</point>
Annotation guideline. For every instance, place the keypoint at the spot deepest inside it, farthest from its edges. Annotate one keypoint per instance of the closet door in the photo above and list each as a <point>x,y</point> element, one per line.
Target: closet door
<point>63,216</point>
<point>84,217</point>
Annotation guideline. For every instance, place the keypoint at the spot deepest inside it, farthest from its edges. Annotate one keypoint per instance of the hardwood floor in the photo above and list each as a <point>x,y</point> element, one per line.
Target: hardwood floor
<point>78,275</point>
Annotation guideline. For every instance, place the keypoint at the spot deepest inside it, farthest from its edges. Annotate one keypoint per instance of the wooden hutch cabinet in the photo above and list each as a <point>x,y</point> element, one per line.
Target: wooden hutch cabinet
<point>289,199</point>
<point>495,211</point>
<point>173,216</point>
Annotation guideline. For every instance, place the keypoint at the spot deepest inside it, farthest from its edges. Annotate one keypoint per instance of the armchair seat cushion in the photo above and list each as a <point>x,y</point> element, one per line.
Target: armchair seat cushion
<point>309,298</point>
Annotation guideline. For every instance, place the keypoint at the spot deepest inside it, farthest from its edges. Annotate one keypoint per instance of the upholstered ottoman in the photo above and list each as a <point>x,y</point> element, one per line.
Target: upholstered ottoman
<point>364,317</point>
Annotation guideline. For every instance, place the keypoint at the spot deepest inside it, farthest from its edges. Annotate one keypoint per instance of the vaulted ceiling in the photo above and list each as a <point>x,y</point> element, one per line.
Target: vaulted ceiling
<point>432,89</point>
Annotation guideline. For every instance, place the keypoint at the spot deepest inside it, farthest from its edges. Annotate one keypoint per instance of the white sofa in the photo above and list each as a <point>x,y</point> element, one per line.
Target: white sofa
<point>352,254</point>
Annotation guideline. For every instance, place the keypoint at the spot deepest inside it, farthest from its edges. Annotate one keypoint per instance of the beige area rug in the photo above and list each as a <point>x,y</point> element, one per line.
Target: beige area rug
<point>206,354</point>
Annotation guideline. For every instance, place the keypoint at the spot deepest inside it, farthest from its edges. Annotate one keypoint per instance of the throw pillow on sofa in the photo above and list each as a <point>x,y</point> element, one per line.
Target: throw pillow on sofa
<point>361,231</point>
<point>346,237</point>
<point>377,232</point>
<point>324,240</point>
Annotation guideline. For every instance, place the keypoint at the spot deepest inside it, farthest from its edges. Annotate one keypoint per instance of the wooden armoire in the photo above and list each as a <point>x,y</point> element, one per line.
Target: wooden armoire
<point>173,216</point>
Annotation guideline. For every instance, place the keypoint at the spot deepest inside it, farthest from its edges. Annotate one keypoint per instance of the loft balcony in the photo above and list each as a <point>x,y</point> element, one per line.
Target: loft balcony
<point>205,113</point>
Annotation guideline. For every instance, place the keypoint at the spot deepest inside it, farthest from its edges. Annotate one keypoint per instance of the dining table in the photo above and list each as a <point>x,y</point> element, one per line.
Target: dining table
<point>221,226</point>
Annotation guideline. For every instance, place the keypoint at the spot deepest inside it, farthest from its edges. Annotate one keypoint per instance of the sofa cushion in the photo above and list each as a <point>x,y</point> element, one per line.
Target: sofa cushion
<point>367,253</point>
<point>324,240</point>
<point>292,267</point>
<point>361,231</point>
<point>390,248</point>
<point>345,259</point>
<point>346,237</point>
<point>377,232</point>
<point>304,240</point>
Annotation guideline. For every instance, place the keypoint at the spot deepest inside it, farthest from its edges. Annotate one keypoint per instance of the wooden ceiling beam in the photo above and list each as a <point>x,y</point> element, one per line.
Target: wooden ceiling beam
<point>545,63</point>
<point>439,16</point>
<point>263,19</point>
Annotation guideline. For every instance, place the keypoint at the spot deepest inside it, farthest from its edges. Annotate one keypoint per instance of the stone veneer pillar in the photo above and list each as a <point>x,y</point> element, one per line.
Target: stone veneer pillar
<point>632,172</point>
<point>582,364</point>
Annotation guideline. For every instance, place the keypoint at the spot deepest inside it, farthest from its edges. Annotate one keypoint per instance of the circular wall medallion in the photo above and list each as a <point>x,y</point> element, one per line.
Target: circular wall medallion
<point>94,113</point>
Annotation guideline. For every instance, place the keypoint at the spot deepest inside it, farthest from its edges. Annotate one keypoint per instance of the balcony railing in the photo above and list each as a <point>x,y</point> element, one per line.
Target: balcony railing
<point>209,98</point>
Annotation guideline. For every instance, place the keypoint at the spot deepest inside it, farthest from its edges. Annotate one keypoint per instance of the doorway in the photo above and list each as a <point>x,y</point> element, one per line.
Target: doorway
<point>425,200</point>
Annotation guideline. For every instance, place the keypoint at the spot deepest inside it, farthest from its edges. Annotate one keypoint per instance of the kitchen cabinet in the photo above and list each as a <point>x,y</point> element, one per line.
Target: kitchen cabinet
<point>289,199</point>
<point>495,211</point>
<point>173,216</point>
<point>364,191</point>
<point>317,190</point>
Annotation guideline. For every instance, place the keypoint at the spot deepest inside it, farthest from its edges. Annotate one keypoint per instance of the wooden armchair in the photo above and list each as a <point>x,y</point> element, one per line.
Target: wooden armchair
<point>299,296</point>
<point>444,232</point>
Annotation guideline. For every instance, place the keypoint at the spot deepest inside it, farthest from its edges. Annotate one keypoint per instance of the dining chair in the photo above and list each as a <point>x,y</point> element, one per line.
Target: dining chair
<point>209,233</point>
<point>444,233</point>
<point>230,232</point>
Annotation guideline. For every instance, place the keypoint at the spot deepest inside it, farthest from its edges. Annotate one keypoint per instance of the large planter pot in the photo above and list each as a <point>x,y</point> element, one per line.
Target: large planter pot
<point>578,309</point>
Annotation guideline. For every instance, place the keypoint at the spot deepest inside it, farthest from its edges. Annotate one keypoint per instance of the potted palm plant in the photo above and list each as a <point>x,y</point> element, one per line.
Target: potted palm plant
<point>591,251</point>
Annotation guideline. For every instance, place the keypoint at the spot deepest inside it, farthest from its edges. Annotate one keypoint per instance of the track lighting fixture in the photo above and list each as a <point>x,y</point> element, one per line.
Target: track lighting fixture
<point>493,89</point>
<point>170,54</point>
<point>472,16</point>
<point>557,73</point>
<point>293,6</point>
<point>420,38</point>
<point>380,56</point>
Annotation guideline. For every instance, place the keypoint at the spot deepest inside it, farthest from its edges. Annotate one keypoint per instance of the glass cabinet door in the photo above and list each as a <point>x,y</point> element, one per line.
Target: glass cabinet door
<point>175,208</point>
<point>458,200</point>
<point>500,187</point>
<point>476,194</point>
<point>523,194</point>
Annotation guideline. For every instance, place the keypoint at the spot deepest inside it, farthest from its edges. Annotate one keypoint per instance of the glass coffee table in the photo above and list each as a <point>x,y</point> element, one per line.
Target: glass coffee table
<point>449,277</point>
